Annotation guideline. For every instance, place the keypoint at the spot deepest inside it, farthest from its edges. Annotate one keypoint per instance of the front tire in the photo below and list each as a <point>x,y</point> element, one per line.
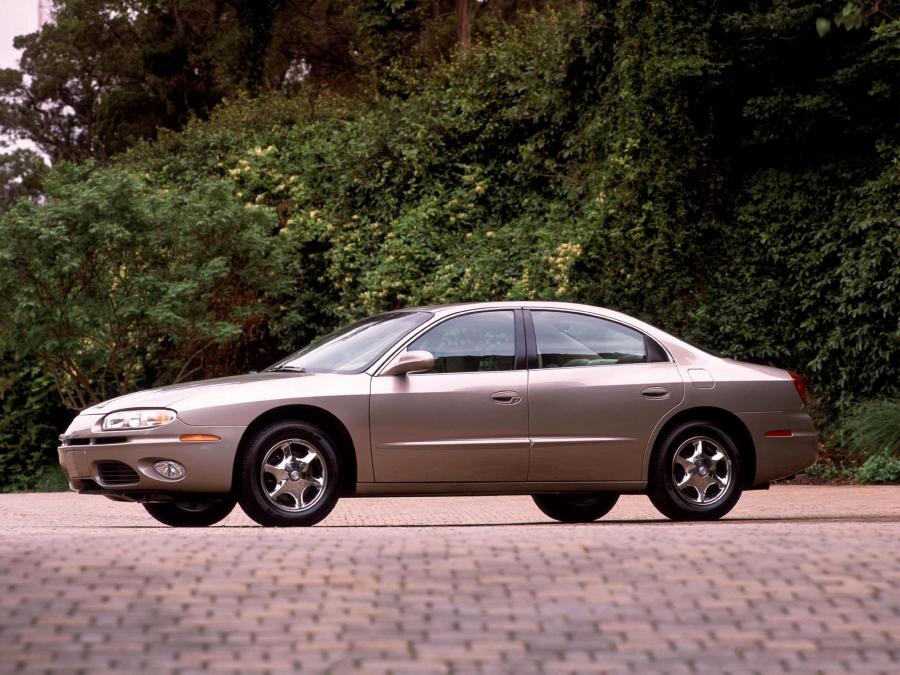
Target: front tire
<point>191,512</point>
<point>288,475</point>
<point>576,508</point>
<point>696,474</point>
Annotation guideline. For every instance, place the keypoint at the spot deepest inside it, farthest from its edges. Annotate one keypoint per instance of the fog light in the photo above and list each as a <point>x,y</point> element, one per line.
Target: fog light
<point>169,469</point>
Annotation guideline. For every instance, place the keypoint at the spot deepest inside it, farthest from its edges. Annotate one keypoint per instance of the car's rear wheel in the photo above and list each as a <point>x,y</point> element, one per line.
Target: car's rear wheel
<point>192,511</point>
<point>696,474</point>
<point>288,474</point>
<point>576,508</point>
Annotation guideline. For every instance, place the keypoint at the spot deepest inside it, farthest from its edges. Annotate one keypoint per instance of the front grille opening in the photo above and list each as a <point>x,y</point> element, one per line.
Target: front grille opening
<point>116,473</point>
<point>109,440</point>
<point>78,441</point>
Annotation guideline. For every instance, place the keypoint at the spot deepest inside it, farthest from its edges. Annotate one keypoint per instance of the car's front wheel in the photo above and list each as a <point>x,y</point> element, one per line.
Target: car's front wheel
<point>192,512</point>
<point>288,474</point>
<point>696,474</point>
<point>576,508</point>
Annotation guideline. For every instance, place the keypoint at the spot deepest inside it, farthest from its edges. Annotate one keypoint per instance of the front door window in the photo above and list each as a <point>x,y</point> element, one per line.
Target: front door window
<point>478,342</point>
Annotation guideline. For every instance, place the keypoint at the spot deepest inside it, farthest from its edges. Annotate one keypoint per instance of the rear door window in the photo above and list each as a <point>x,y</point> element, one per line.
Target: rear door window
<point>567,340</point>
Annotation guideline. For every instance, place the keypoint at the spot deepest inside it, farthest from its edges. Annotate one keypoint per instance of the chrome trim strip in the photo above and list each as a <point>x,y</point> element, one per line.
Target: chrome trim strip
<point>561,440</point>
<point>455,443</point>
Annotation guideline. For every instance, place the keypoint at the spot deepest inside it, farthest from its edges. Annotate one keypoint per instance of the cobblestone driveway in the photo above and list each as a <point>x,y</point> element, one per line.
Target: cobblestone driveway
<point>797,579</point>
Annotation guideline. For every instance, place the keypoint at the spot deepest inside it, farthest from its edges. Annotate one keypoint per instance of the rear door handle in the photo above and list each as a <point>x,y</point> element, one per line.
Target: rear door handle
<point>655,392</point>
<point>506,397</point>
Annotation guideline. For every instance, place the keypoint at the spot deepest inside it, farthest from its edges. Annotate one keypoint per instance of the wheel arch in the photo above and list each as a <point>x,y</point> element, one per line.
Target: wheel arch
<point>323,419</point>
<point>729,422</point>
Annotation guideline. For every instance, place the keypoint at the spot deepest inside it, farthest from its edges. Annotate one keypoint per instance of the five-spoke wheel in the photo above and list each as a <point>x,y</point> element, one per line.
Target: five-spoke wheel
<point>701,471</point>
<point>695,473</point>
<point>288,474</point>
<point>293,475</point>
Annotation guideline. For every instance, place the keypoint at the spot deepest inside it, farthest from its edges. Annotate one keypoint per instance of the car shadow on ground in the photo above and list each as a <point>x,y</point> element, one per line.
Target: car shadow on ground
<point>543,523</point>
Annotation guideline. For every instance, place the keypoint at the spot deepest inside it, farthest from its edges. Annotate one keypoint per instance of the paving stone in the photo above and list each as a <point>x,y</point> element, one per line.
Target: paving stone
<point>798,579</point>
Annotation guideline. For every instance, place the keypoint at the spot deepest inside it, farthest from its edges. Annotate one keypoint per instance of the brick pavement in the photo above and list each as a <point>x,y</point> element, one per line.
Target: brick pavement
<point>797,579</point>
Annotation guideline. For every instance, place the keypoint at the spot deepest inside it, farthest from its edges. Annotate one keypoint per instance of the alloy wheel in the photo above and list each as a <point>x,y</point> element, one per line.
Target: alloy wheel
<point>701,471</point>
<point>293,475</point>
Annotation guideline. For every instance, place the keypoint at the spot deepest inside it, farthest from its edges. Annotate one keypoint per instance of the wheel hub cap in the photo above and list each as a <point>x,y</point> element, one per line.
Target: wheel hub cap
<point>701,471</point>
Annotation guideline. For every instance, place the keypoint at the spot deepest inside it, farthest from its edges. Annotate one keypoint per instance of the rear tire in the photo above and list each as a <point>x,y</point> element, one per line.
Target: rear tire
<point>192,512</point>
<point>576,508</point>
<point>288,475</point>
<point>696,474</point>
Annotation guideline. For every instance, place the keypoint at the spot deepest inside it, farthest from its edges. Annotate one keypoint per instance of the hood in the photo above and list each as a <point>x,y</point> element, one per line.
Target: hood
<point>167,397</point>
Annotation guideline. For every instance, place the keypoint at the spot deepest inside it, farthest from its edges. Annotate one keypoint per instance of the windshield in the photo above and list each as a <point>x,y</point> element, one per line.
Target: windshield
<point>354,348</point>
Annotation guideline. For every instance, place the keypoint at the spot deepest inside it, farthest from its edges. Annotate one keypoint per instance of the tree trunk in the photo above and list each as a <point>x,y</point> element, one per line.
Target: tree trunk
<point>463,23</point>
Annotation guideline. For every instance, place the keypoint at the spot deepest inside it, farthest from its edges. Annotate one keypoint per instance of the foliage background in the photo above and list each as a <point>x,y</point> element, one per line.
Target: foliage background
<point>728,171</point>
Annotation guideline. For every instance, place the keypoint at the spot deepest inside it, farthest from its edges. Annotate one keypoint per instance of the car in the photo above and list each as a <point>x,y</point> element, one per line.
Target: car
<point>571,404</point>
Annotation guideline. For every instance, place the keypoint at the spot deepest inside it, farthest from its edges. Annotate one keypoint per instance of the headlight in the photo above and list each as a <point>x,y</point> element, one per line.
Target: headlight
<point>136,419</point>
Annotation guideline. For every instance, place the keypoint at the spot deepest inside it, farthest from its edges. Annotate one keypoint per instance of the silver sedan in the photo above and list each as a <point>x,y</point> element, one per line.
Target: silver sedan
<point>569,403</point>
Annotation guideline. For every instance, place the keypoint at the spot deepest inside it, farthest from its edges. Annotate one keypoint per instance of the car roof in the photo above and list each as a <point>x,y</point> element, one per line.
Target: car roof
<point>451,308</point>
<point>500,304</point>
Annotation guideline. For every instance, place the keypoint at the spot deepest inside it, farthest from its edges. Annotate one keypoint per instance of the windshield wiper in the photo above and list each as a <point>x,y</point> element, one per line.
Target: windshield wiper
<point>290,369</point>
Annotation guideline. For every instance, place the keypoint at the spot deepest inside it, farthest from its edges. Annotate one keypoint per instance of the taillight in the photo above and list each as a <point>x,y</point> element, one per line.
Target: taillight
<point>800,386</point>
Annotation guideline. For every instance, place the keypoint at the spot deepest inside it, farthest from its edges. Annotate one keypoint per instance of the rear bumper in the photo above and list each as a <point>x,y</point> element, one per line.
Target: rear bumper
<point>781,456</point>
<point>209,465</point>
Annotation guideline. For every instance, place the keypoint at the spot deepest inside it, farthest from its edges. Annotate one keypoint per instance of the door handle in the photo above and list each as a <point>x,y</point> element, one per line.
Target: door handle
<point>655,392</point>
<point>506,397</point>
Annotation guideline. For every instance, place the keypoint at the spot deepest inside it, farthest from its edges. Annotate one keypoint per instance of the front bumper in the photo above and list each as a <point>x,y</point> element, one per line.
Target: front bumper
<point>209,465</point>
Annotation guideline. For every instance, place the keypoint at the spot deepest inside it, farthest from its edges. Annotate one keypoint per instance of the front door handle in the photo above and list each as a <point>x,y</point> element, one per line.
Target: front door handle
<point>506,397</point>
<point>655,392</point>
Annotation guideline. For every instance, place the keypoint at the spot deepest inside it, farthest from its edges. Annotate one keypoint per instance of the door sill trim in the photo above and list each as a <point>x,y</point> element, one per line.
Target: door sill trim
<point>494,488</point>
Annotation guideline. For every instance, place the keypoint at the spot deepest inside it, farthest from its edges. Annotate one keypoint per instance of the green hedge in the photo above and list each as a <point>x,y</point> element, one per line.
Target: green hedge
<point>687,164</point>
<point>30,419</point>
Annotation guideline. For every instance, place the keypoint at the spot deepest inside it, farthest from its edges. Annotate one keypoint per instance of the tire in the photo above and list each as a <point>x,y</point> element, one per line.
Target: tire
<point>192,512</point>
<point>685,485</point>
<point>576,508</point>
<point>288,475</point>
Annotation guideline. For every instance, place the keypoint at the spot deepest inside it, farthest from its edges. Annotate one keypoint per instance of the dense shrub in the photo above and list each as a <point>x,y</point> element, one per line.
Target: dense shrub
<point>731,176</point>
<point>30,418</point>
<point>646,161</point>
<point>113,284</point>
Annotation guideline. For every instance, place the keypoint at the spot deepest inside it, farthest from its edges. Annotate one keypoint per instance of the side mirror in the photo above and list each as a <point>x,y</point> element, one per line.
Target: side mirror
<point>411,362</point>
